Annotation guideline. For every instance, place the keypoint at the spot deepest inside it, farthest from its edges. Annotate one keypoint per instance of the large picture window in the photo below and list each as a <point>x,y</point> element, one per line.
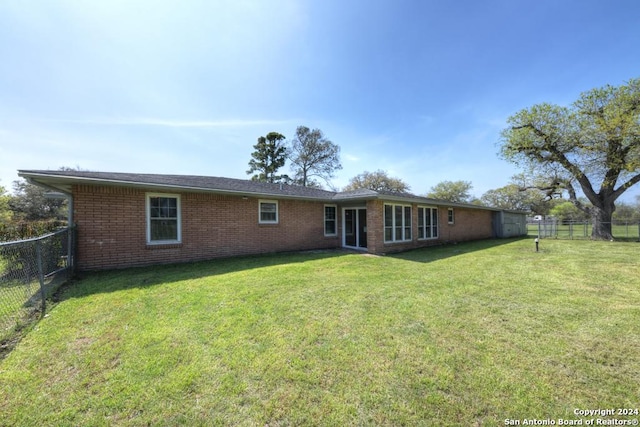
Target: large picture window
<point>268,212</point>
<point>427,222</point>
<point>397,223</point>
<point>330,222</point>
<point>163,219</point>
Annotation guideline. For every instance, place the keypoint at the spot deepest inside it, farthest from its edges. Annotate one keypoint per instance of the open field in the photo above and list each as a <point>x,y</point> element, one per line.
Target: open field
<point>468,334</point>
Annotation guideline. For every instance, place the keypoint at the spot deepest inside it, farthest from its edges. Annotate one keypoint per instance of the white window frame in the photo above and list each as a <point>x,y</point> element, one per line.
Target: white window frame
<point>260,220</point>
<point>433,226</point>
<point>178,218</point>
<point>451,219</point>
<point>394,223</point>
<point>335,220</point>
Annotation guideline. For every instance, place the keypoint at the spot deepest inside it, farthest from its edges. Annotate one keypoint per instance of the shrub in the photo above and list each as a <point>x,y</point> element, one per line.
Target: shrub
<point>28,229</point>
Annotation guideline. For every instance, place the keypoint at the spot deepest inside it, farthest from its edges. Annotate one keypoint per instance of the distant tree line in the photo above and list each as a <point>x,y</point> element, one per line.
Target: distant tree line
<point>578,161</point>
<point>314,159</point>
<point>28,212</point>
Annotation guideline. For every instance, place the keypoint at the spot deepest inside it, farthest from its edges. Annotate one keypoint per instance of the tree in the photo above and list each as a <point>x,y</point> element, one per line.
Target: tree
<point>507,197</point>
<point>567,211</point>
<point>312,155</point>
<point>452,191</point>
<point>5,212</point>
<point>377,181</point>
<point>270,155</point>
<point>593,144</point>
<point>627,212</point>
<point>518,195</point>
<point>30,203</point>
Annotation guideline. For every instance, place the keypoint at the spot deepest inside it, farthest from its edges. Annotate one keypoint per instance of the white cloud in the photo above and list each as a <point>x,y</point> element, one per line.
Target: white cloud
<point>172,123</point>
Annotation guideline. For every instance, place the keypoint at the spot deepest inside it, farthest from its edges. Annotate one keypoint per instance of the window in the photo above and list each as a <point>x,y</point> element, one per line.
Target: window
<point>330,225</point>
<point>397,223</point>
<point>268,212</point>
<point>163,219</point>
<point>450,215</point>
<point>427,222</point>
<point>388,223</point>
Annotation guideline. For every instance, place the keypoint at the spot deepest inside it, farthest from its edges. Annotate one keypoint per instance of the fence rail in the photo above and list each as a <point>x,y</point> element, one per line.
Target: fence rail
<point>30,272</point>
<point>551,228</point>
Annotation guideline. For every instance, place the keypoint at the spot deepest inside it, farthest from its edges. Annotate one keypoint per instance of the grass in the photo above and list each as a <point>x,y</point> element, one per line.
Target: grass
<point>16,308</point>
<point>470,334</point>
<point>624,232</point>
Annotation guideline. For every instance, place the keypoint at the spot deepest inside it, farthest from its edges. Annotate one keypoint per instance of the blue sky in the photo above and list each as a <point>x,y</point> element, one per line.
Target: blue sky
<point>420,89</point>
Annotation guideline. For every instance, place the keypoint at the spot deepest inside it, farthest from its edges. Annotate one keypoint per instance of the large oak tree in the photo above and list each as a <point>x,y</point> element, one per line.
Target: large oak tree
<point>377,181</point>
<point>452,191</point>
<point>593,145</point>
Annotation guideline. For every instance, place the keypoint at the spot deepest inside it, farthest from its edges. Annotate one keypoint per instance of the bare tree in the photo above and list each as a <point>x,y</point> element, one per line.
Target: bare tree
<point>313,155</point>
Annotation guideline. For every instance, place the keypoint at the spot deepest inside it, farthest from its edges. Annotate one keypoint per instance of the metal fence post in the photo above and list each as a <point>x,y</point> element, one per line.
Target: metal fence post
<point>72,249</point>
<point>41,274</point>
<point>69,248</point>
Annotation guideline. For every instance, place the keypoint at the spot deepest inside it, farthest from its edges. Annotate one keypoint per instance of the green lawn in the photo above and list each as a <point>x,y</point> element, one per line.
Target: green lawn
<point>623,232</point>
<point>469,334</point>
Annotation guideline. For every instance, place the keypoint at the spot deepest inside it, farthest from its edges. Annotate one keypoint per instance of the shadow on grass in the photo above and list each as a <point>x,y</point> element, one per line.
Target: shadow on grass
<point>89,283</point>
<point>141,277</point>
<point>436,253</point>
<point>26,308</point>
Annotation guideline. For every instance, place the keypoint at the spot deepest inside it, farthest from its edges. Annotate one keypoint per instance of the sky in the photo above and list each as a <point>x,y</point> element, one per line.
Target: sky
<point>419,89</point>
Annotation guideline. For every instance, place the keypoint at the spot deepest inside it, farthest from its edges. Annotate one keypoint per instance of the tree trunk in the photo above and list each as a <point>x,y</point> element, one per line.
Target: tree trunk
<point>601,216</point>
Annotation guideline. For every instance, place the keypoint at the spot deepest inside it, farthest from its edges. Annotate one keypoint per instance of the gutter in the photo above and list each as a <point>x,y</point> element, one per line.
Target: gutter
<point>70,180</point>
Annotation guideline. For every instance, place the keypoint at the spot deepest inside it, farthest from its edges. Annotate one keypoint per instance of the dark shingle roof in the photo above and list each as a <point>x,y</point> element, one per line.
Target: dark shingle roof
<point>63,180</point>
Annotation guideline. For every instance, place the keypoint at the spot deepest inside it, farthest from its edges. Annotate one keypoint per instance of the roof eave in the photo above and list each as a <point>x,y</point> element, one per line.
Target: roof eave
<point>64,184</point>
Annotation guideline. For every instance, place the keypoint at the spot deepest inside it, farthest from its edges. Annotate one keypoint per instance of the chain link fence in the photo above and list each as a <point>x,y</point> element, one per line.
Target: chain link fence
<point>30,272</point>
<point>553,228</point>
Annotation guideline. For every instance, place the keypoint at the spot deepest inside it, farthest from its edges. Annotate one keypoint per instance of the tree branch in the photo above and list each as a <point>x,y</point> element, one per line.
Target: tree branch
<point>624,187</point>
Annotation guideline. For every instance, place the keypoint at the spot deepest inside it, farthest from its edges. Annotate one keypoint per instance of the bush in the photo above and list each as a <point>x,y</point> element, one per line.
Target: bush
<point>28,229</point>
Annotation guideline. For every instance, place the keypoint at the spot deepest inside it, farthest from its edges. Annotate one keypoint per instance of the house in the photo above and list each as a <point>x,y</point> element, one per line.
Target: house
<point>126,219</point>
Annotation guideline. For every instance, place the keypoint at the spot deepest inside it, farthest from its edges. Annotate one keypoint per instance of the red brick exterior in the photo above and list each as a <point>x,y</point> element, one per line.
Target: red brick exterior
<point>112,224</point>
<point>112,228</point>
<point>469,224</point>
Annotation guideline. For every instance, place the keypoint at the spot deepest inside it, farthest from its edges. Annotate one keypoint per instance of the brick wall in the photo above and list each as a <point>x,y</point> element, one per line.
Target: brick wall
<point>375,226</point>
<point>469,224</point>
<point>112,228</point>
